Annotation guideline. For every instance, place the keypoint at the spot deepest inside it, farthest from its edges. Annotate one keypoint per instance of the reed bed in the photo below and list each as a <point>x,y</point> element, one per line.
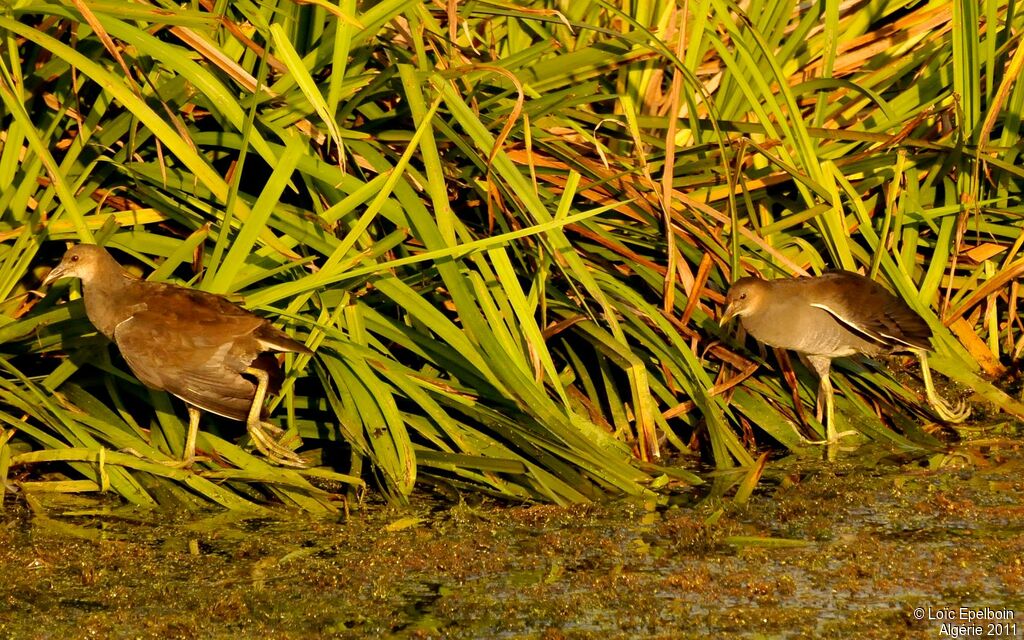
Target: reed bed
<point>505,230</point>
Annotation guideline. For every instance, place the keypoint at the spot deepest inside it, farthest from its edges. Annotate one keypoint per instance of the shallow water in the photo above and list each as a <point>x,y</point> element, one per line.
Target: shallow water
<point>857,548</point>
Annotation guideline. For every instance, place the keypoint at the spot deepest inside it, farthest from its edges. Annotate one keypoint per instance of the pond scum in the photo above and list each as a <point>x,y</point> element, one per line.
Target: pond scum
<point>871,546</point>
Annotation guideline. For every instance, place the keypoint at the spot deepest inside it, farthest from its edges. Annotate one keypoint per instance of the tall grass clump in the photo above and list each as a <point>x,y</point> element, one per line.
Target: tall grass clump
<point>505,230</point>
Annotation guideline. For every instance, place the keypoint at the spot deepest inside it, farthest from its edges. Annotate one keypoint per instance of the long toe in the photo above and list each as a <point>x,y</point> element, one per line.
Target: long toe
<point>184,463</point>
<point>839,436</point>
<point>953,415</point>
<point>271,430</point>
<point>833,440</point>
<point>273,448</point>
<point>832,447</point>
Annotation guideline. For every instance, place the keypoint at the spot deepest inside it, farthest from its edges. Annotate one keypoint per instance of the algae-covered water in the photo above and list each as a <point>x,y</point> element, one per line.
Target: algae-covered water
<point>877,545</point>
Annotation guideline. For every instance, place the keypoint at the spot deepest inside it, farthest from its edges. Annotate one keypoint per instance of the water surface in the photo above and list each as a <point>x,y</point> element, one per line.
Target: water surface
<point>861,547</point>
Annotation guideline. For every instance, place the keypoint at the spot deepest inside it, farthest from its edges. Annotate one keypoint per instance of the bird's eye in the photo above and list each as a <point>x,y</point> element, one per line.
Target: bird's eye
<point>74,258</point>
<point>743,296</point>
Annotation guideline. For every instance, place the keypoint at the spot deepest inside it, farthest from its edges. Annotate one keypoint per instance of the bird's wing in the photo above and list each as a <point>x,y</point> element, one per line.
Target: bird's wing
<point>194,351</point>
<point>206,313</point>
<point>868,309</point>
<point>210,318</point>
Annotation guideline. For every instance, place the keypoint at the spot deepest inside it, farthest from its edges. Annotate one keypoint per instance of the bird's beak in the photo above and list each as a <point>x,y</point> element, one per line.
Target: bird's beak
<point>728,314</point>
<point>55,274</point>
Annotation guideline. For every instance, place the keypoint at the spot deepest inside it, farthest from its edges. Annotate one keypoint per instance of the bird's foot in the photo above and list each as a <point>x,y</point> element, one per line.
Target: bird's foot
<point>831,443</point>
<point>184,463</point>
<point>942,409</point>
<point>268,440</point>
<point>951,414</point>
<point>831,440</point>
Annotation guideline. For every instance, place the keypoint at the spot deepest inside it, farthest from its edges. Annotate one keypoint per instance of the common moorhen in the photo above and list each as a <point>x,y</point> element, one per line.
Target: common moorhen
<point>837,314</point>
<point>198,346</point>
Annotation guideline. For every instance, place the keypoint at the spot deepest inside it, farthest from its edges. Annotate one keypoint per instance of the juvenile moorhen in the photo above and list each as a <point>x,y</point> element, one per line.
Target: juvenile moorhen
<point>838,314</point>
<point>198,346</point>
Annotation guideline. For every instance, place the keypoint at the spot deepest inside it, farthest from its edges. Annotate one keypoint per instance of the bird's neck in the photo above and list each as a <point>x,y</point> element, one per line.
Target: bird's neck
<point>761,325</point>
<point>107,300</point>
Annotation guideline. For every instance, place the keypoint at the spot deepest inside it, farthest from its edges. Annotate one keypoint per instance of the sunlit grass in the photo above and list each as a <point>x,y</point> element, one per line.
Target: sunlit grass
<point>509,256</point>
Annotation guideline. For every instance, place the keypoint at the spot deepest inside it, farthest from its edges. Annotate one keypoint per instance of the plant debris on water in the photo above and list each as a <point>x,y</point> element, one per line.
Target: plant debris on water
<point>879,536</point>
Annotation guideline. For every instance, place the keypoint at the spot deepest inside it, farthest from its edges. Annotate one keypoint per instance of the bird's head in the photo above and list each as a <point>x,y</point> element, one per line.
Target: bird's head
<point>744,298</point>
<point>82,261</point>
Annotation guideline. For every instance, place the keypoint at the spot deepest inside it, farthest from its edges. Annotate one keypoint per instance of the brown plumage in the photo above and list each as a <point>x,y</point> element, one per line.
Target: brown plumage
<point>834,315</point>
<point>195,345</point>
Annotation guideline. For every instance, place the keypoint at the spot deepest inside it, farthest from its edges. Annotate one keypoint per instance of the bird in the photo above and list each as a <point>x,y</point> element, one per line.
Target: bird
<point>198,346</point>
<point>837,314</point>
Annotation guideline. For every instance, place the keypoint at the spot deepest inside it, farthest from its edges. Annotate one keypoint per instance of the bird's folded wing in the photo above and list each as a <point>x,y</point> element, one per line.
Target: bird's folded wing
<point>186,361</point>
<point>864,327</point>
<point>211,317</point>
<point>208,318</point>
<point>869,310</point>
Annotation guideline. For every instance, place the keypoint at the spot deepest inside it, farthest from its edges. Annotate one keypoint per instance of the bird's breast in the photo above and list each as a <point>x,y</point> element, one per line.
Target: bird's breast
<point>805,329</point>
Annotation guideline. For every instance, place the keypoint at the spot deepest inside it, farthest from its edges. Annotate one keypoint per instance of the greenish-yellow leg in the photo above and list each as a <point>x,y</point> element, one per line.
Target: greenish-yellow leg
<point>263,433</point>
<point>193,431</point>
<point>188,457</point>
<point>826,400</point>
<point>945,412</point>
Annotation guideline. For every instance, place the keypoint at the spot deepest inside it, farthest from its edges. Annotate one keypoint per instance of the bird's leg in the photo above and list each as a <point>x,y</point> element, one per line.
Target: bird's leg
<point>821,400</point>
<point>188,457</point>
<point>831,437</point>
<point>825,408</point>
<point>825,402</point>
<point>945,412</point>
<point>261,432</point>
<point>193,430</point>
<point>794,386</point>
